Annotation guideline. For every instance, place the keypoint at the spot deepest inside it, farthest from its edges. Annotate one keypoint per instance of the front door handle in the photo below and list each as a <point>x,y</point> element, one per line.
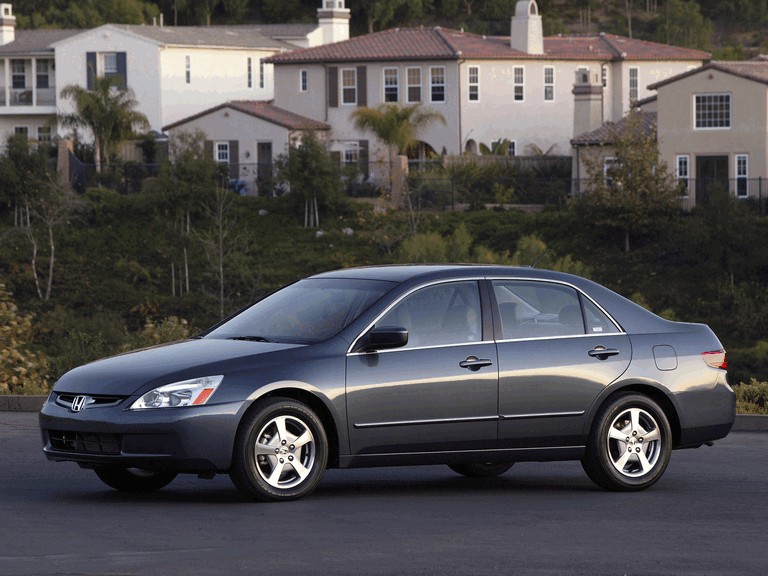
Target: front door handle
<point>474,363</point>
<point>601,352</point>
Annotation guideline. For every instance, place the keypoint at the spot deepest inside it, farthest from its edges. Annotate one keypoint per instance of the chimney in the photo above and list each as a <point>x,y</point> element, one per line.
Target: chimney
<point>333,18</point>
<point>527,34</point>
<point>587,102</point>
<point>7,24</point>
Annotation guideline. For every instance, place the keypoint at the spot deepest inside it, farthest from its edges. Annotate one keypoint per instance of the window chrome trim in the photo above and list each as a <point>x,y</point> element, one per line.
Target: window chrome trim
<point>488,279</point>
<point>391,424</point>
<point>541,415</point>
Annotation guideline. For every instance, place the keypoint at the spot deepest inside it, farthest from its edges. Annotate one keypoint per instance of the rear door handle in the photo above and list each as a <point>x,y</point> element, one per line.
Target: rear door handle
<point>474,363</point>
<point>601,352</point>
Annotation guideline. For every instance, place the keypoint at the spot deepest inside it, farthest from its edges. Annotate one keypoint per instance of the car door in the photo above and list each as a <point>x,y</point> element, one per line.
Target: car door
<point>557,351</point>
<point>438,392</point>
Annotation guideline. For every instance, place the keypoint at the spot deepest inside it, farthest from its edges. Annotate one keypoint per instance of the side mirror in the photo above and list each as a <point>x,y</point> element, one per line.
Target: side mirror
<point>385,338</point>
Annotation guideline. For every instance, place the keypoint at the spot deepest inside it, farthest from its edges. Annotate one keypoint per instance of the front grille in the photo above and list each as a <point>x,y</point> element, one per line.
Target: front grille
<point>99,401</point>
<point>85,442</point>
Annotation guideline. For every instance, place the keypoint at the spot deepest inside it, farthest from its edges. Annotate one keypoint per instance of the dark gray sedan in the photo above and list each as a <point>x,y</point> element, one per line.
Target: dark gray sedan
<point>476,367</point>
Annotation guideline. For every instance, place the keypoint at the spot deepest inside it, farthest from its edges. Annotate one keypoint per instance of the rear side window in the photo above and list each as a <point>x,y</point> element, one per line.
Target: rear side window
<point>596,320</point>
<point>538,309</point>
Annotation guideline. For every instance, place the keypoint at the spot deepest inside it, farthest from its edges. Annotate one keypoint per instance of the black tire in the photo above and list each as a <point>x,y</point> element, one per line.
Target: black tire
<point>629,445</point>
<point>481,470</point>
<point>134,480</point>
<point>293,451</point>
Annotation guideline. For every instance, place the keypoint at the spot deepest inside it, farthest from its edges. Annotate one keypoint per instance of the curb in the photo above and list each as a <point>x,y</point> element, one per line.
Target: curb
<point>744,422</point>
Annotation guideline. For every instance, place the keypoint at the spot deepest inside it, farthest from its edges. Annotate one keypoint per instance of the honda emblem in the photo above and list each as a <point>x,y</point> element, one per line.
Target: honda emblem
<point>78,403</point>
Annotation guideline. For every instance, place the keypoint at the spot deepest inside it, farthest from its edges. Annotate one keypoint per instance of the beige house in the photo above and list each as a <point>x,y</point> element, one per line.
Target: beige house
<point>246,136</point>
<point>517,87</point>
<point>713,128</point>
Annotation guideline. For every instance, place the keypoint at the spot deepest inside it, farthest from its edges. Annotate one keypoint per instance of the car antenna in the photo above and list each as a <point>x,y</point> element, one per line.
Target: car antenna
<point>539,258</point>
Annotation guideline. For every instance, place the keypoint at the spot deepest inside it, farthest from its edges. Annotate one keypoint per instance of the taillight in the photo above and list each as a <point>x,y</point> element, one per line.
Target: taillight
<point>715,358</point>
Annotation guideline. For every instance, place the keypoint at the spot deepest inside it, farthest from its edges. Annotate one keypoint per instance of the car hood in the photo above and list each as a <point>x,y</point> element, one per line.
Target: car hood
<point>123,375</point>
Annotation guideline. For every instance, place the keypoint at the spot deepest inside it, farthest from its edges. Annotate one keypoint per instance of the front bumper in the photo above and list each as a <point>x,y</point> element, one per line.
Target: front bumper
<point>188,439</point>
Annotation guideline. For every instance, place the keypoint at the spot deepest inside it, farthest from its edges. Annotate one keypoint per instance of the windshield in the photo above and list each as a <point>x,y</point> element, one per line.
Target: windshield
<point>308,311</point>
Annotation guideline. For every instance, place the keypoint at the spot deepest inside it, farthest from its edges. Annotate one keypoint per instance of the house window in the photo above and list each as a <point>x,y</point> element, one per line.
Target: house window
<point>742,175</point>
<point>712,111</point>
<point>414,84</point>
<point>474,83</point>
<point>633,84</point>
<point>18,74</point>
<point>21,131</point>
<point>249,72</point>
<point>549,84</point>
<point>391,86</point>
<point>42,74</point>
<point>109,63</point>
<point>262,74</point>
<point>682,172</point>
<point>349,86</point>
<point>518,83</point>
<point>303,81</point>
<point>610,164</point>
<point>43,133</point>
<point>437,84</point>
<point>188,69</point>
<point>604,76</point>
<point>352,154</point>
<point>221,152</point>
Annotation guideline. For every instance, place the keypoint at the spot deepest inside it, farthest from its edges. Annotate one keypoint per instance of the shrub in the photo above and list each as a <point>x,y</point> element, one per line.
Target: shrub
<point>752,398</point>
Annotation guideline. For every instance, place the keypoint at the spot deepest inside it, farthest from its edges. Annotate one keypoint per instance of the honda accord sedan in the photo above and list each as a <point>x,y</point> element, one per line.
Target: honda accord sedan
<point>475,367</point>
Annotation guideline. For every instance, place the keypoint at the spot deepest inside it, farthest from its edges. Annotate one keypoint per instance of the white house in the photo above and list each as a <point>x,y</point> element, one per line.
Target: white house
<point>175,72</point>
<point>488,88</point>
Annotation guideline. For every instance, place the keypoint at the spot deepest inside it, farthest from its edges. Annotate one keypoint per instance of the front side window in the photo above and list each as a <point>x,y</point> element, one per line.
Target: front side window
<point>712,111</point>
<point>633,84</point>
<point>474,83</point>
<point>18,74</point>
<point>414,84</point>
<point>391,86</point>
<point>440,315</point>
<point>518,85</point>
<point>549,84</point>
<point>437,84</point>
<point>349,86</point>
<point>742,175</point>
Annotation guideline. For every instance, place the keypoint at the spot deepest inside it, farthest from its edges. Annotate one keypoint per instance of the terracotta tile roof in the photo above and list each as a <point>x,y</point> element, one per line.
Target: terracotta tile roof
<point>35,41</point>
<point>449,44</point>
<point>756,70</point>
<point>606,133</point>
<point>264,111</point>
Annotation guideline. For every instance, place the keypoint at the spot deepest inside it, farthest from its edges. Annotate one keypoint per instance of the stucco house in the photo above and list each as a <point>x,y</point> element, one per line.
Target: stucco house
<point>517,87</point>
<point>247,136</point>
<point>175,72</point>
<point>713,128</point>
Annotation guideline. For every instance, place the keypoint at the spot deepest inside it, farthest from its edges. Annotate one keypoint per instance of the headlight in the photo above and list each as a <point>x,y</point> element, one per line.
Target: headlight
<point>187,393</point>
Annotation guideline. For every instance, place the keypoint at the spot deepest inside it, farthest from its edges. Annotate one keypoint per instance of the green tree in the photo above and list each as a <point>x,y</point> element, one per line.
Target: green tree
<point>682,24</point>
<point>107,112</point>
<point>22,369</point>
<point>636,193</point>
<point>312,176</point>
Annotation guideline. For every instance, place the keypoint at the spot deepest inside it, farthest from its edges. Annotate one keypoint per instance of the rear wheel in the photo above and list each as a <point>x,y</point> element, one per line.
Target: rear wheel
<point>630,444</point>
<point>481,470</point>
<point>281,451</point>
<point>134,480</point>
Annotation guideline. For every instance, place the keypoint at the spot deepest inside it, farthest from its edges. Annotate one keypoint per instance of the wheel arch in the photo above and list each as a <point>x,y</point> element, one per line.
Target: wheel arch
<point>654,392</point>
<point>318,407</point>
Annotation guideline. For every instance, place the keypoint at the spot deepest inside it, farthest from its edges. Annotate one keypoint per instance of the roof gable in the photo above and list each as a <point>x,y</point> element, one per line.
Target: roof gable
<point>264,111</point>
<point>754,70</point>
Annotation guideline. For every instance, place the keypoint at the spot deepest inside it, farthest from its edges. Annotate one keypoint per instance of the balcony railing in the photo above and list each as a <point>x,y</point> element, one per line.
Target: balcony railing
<point>18,97</point>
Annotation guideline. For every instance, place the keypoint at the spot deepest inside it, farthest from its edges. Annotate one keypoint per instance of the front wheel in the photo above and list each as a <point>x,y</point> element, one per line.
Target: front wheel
<point>481,470</point>
<point>630,444</point>
<point>281,451</point>
<point>134,480</point>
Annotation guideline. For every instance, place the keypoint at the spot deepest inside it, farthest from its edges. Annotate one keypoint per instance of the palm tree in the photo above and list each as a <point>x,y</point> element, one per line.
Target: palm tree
<point>107,111</point>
